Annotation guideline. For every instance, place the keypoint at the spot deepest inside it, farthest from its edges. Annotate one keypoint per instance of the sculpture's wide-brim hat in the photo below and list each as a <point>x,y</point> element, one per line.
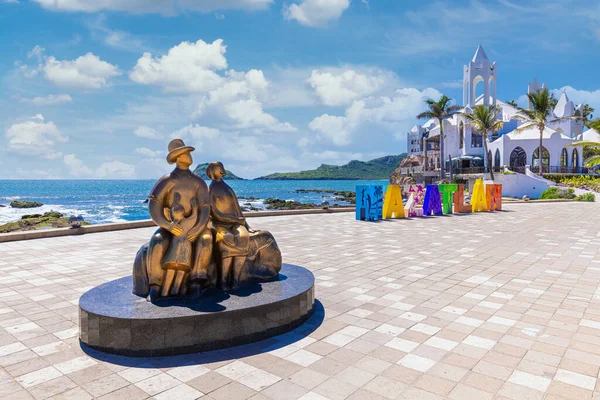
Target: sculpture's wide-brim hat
<point>177,148</point>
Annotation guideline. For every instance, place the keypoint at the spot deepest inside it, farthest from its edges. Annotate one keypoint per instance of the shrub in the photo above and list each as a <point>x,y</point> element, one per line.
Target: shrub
<point>586,197</point>
<point>578,181</point>
<point>555,192</point>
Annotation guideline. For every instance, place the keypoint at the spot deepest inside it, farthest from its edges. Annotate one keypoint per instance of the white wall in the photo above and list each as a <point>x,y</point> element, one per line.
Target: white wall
<point>519,185</point>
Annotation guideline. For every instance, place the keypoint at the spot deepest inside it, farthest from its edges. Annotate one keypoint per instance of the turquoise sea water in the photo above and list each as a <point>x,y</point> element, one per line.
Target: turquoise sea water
<point>101,201</point>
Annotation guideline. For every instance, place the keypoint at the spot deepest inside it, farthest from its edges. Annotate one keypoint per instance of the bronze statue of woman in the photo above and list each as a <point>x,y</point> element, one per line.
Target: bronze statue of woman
<point>232,237</point>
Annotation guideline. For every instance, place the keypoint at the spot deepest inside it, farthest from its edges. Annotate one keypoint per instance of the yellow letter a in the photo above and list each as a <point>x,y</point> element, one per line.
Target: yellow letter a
<point>478,199</point>
<point>393,203</point>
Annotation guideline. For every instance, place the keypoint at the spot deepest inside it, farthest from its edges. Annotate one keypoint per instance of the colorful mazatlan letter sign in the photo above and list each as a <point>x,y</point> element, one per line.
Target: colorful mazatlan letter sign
<point>432,205</point>
<point>392,204</point>
<point>447,192</point>
<point>369,202</point>
<point>416,194</point>
<point>478,200</point>
<point>436,200</point>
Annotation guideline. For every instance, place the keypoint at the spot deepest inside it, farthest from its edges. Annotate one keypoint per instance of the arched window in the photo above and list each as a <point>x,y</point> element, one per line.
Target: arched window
<point>575,158</point>
<point>518,158</point>
<point>461,135</point>
<point>497,158</point>
<point>564,158</point>
<point>535,159</point>
<point>476,139</point>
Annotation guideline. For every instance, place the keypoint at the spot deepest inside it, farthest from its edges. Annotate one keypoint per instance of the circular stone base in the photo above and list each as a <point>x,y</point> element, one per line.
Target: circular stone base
<point>114,320</point>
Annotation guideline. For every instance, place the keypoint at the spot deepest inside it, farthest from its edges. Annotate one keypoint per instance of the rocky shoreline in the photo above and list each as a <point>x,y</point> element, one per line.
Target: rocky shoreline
<point>32,222</point>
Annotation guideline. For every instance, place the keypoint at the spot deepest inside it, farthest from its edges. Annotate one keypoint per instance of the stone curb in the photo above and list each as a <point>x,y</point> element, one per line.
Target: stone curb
<point>119,226</point>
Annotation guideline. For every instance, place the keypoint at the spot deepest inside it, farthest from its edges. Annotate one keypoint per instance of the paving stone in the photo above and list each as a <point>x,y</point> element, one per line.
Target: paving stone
<point>465,306</point>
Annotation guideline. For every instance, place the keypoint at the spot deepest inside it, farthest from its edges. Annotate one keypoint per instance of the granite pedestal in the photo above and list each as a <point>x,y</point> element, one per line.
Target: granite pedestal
<point>114,320</point>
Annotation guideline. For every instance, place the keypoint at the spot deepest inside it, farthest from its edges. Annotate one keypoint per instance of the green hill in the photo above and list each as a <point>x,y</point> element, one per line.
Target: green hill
<point>379,168</point>
<point>201,172</point>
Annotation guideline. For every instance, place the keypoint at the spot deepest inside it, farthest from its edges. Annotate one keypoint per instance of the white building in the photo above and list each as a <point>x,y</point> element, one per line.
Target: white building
<point>508,147</point>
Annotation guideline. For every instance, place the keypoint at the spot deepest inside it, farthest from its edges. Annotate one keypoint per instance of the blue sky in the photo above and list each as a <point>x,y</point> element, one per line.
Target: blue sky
<point>96,89</point>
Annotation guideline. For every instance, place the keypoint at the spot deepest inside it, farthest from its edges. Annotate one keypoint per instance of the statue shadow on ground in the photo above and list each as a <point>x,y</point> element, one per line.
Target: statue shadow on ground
<point>210,299</point>
<point>232,353</point>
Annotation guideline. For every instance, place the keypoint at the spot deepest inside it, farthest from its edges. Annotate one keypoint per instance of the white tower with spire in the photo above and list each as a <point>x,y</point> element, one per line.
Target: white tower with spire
<point>479,70</point>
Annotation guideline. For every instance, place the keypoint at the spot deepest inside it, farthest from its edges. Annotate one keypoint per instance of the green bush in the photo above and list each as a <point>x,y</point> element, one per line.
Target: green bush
<point>577,181</point>
<point>555,192</point>
<point>586,197</point>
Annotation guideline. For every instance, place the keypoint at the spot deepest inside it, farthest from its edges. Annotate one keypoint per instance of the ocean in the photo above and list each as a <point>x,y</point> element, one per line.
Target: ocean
<point>104,201</point>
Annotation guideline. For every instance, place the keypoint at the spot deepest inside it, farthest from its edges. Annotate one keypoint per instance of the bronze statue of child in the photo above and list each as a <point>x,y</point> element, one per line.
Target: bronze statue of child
<point>232,237</point>
<point>178,260</point>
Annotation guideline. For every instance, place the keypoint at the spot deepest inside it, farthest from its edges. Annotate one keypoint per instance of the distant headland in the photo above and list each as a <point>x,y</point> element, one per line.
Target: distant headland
<point>201,172</point>
<point>379,168</point>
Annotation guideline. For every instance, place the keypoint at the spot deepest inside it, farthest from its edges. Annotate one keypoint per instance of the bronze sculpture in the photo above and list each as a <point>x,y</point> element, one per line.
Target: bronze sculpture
<point>181,258</point>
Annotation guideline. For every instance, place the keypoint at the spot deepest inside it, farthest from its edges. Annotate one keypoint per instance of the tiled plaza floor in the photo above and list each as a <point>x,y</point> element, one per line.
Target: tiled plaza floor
<point>483,306</point>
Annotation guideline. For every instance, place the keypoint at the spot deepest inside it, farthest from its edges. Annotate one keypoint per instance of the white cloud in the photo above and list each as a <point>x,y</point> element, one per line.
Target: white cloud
<point>192,68</point>
<point>579,96</point>
<point>390,112</point>
<point>316,12</point>
<point>166,7</point>
<point>340,86</point>
<point>49,100</point>
<point>116,169</point>
<point>146,132</point>
<point>187,67</point>
<point>115,38</point>
<point>76,167</point>
<point>37,52</point>
<point>35,137</point>
<point>85,72</point>
<point>197,132</point>
<point>249,114</point>
<point>146,152</point>
<point>336,128</point>
<point>256,153</point>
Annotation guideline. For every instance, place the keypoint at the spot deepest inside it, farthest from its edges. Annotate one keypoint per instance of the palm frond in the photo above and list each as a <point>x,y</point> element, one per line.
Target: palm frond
<point>523,127</point>
<point>595,125</point>
<point>592,161</point>
<point>585,144</point>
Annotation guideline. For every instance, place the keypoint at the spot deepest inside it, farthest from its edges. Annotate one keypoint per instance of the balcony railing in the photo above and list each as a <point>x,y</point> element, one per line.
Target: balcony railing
<point>474,170</point>
<point>553,169</point>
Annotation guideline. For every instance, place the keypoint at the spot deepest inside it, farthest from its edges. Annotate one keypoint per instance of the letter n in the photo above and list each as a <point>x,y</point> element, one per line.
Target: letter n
<point>494,196</point>
<point>393,203</point>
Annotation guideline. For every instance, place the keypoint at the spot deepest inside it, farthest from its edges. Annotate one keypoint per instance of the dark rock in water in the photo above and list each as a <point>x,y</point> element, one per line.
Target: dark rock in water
<point>25,204</point>
<point>2,205</point>
<point>31,222</point>
<point>29,216</point>
<point>277,204</point>
<point>339,195</point>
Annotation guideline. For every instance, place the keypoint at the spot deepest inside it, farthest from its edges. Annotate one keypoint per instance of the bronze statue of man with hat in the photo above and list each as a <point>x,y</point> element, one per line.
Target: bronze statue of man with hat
<point>188,192</point>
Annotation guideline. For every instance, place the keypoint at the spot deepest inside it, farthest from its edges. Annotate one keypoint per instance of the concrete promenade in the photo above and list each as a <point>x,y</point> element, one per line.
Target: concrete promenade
<point>502,305</point>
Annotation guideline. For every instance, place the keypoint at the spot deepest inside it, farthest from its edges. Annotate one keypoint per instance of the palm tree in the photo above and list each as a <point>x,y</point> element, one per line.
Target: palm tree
<point>483,119</point>
<point>440,110</point>
<point>542,104</point>
<point>587,115</point>
<point>594,159</point>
